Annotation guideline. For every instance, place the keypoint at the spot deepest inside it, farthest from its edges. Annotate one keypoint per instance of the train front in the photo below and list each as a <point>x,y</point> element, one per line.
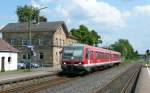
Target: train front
<point>72,59</point>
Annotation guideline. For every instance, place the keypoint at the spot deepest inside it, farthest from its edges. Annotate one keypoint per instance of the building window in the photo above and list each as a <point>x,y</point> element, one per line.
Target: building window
<point>56,56</point>
<point>40,42</point>
<point>15,41</point>
<point>24,42</point>
<point>3,59</point>
<point>12,42</point>
<point>9,59</point>
<point>41,56</point>
<point>63,42</point>
<point>29,55</point>
<point>56,41</point>
<point>60,41</point>
<point>24,56</point>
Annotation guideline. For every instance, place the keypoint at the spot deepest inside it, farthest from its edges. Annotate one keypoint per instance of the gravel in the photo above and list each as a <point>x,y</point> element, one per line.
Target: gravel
<point>89,83</point>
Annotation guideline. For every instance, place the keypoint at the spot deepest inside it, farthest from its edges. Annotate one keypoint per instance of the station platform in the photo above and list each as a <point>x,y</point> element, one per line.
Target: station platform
<point>20,74</point>
<point>143,84</point>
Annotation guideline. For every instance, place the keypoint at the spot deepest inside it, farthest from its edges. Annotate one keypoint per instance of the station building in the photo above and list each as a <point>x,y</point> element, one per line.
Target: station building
<point>8,57</point>
<point>48,38</point>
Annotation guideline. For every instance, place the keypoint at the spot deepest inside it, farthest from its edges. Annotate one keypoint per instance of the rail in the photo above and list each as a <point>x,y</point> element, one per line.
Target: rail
<point>123,83</point>
<point>10,82</point>
<point>35,86</point>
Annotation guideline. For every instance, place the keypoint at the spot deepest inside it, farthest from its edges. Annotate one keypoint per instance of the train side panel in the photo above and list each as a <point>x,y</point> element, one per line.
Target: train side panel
<point>91,57</point>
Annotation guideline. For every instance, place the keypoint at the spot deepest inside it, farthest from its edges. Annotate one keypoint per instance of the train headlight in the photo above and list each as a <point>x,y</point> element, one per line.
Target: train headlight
<point>64,62</point>
<point>80,62</point>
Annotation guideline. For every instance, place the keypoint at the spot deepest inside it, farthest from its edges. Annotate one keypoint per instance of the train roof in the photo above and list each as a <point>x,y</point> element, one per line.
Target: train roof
<point>95,48</point>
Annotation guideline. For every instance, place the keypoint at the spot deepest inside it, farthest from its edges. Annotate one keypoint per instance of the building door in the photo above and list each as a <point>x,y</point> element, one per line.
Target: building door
<point>2,64</point>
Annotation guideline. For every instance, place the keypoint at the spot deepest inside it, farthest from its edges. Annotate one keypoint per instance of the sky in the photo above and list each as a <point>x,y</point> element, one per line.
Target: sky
<point>112,19</point>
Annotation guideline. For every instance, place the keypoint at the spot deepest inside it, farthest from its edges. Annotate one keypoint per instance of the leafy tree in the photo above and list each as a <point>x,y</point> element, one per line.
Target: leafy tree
<point>24,13</point>
<point>136,53</point>
<point>86,36</point>
<point>147,52</point>
<point>125,48</point>
<point>42,19</point>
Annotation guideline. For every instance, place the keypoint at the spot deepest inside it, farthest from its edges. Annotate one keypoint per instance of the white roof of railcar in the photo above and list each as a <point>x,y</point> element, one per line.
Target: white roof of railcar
<point>95,48</point>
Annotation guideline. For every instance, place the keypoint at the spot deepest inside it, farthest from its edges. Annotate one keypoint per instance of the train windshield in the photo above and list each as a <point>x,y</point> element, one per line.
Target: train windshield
<point>72,53</point>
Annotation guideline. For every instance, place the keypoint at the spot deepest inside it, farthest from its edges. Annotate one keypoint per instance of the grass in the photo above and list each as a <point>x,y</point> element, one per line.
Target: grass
<point>16,71</point>
<point>27,70</point>
<point>147,62</point>
<point>130,60</point>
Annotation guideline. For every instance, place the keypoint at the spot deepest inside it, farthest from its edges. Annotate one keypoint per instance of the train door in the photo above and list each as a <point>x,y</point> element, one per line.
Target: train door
<point>2,64</point>
<point>91,57</point>
<point>88,56</point>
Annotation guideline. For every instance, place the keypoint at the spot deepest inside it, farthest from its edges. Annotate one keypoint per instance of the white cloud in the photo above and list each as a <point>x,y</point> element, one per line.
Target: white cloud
<point>105,18</point>
<point>93,10</point>
<point>63,12</point>
<point>101,12</point>
<point>40,3</point>
<point>145,9</point>
<point>138,11</point>
<point>1,27</point>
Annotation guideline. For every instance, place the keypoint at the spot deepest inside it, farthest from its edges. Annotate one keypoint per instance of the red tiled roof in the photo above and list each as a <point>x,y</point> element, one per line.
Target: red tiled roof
<point>4,46</point>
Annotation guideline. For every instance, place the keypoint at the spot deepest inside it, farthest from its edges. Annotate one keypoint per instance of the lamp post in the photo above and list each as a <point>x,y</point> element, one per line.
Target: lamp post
<point>30,47</point>
<point>39,12</point>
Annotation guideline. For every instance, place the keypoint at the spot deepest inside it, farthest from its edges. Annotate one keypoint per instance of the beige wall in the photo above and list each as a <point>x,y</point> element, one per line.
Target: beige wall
<point>53,41</point>
<point>71,41</point>
<point>59,37</point>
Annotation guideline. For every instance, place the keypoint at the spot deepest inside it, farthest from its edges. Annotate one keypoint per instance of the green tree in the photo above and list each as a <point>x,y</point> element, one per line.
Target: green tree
<point>147,52</point>
<point>42,19</point>
<point>125,48</point>
<point>86,36</point>
<point>96,39</point>
<point>24,13</point>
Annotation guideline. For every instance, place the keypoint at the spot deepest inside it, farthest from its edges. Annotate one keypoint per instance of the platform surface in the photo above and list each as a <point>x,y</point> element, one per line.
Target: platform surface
<point>143,84</point>
<point>13,75</point>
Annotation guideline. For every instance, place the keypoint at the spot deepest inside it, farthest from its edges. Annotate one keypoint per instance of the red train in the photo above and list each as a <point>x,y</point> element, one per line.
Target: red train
<point>79,57</point>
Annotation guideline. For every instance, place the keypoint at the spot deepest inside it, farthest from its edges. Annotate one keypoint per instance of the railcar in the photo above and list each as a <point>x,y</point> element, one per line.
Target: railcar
<point>79,57</point>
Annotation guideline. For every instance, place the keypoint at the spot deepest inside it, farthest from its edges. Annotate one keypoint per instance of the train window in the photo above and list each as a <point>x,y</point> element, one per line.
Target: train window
<point>108,55</point>
<point>74,52</point>
<point>104,55</point>
<point>100,55</point>
<point>115,56</point>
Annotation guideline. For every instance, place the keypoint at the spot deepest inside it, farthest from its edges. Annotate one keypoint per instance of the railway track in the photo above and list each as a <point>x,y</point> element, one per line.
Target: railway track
<point>34,85</point>
<point>124,82</point>
<point>89,83</point>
